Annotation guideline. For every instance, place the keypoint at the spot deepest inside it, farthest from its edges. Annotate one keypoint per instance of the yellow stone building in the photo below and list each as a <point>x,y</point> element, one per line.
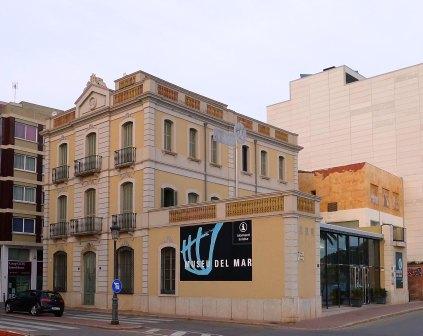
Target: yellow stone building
<point>143,156</point>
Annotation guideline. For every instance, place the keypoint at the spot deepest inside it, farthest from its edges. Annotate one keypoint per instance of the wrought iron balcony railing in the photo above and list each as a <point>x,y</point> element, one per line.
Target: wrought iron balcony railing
<point>88,165</point>
<point>125,156</point>
<point>126,221</point>
<point>60,174</point>
<point>59,230</point>
<point>398,233</point>
<point>86,226</point>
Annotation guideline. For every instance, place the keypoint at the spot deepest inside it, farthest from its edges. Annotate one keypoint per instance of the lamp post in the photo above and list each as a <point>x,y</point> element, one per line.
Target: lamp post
<point>115,304</point>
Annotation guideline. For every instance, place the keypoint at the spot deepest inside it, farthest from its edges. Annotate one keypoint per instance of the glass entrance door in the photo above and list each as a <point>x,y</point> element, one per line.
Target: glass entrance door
<point>89,278</point>
<point>360,278</point>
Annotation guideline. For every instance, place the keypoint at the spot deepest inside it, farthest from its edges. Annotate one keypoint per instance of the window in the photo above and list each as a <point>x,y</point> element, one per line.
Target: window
<point>333,206</point>
<point>263,162</point>
<point>168,125</point>
<point>25,132</point>
<point>18,254</point>
<point>374,223</point>
<point>126,195</point>
<point>281,168</point>
<point>395,198</point>
<point>63,154</point>
<point>23,194</point>
<point>167,271</point>
<point>59,271</point>
<point>62,208</point>
<point>90,203</point>
<point>385,193</point>
<point>91,144</point>
<point>313,192</point>
<point>214,198</point>
<point>25,162</point>
<point>126,269</point>
<point>214,151</point>
<point>245,157</point>
<point>374,190</point>
<point>192,197</point>
<point>168,197</point>
<point>193,143</point>
<point>127,134</point>
<point>23,225</point>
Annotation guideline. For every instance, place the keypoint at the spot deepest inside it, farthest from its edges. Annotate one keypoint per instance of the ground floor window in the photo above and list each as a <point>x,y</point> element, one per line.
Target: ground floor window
<point>167,270</point>
<point>60,271</point>
<point>126,269</point>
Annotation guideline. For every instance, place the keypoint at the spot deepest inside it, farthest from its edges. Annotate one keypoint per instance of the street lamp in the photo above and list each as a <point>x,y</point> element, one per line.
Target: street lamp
<point>115,304</point>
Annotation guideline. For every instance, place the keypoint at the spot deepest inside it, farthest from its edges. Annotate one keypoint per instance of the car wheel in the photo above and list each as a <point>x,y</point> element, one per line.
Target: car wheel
<point>58,314</point>
<point>35,310</point>
<point>8,308</point>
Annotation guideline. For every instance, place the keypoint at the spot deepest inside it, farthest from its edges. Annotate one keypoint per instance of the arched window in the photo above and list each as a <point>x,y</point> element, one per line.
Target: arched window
<point>91,144</point>
<point>245,158</point>
<point>90,203</point>
<point>214,151</point>
<point>167,270</point>
<point>281,168</point>
<point>193,197</point>
<point>63,154</point>
<point>169,197</point>
<point>62,205</point>
<point>127,197</point>
<point>168,130</point>
<point>127,134</point>
<point>263,163</point>
<point>214,198</point>
<point>193,143</point>
<point>126,269</point>
<point>59,271</point>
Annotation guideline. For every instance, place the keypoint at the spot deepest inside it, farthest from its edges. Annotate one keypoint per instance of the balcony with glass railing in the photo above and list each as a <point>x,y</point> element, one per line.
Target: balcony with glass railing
<point>60,174</point>
<point>88,165</point>
<point>125,157</point>
<point>59,230</point>
<point>126,221</point>
<point>85,226</point>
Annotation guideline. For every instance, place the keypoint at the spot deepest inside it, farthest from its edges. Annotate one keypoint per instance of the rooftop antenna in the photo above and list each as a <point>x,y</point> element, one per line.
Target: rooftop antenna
<point>15,88</point>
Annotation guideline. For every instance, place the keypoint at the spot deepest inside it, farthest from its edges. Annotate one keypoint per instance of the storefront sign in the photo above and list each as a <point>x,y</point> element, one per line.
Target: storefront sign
<point>399,270</point>
<point>216,252</point>
<point>19,268</point>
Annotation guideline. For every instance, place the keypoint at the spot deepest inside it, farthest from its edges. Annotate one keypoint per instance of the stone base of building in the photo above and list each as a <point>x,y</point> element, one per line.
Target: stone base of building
<point>398,296</point>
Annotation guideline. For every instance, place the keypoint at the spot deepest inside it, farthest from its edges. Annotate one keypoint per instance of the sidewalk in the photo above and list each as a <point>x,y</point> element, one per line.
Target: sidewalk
<point>335,318</point>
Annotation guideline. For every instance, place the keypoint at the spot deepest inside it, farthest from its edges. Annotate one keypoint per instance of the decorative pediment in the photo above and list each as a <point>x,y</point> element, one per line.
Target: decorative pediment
<point>95,96</point>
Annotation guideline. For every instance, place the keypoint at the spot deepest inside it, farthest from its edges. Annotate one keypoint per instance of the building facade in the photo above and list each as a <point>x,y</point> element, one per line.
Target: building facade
<point>21,213</point>
<point>343,117</point>
<point>119,154</point>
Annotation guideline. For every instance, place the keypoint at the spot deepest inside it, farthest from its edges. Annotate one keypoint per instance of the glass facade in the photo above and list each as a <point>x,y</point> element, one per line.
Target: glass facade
<point>347,262</point>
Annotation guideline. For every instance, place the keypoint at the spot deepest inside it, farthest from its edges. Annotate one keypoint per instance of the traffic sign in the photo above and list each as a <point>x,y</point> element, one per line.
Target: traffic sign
<point>116,286</point>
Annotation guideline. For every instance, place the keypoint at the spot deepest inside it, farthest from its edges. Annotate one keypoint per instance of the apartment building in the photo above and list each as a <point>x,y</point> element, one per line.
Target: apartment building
<point>21,204</point>
<point>117,155</point>
<point>343,117</point>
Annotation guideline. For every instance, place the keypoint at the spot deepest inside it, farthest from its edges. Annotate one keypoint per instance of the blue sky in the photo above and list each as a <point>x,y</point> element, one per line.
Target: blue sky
<point>243,53</point>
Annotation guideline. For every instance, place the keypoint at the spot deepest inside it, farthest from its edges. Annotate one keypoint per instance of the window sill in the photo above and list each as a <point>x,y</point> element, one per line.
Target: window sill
<point>264,177</point>
<point>164,151</point>
<point>168,295</point>
<point>25,171</point>
<point>215,165</point>
<point>246,173</point>
<point>283,181</point>
<point>194,159</point>
<point>24,202</point>
<point>23,233</point>
<point>36,142</point>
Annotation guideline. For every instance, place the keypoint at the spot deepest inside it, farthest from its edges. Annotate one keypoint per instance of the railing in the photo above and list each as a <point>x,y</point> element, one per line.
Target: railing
<point>125,221</point>
<point>88,165</point>
<point>125,156</point>
<point>398,233</point>
<point>86,226</point>
<point>59,230</point>
<point>60,174</point>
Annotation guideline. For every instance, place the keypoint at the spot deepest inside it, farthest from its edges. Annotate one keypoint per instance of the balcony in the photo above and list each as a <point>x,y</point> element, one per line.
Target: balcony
<point>86,226</point>
<point>125,221</point>
<point>88,165</point>
<point>398,234</point>
<point>125,157</point>
<point>59,230</point>
<point>60,174</point>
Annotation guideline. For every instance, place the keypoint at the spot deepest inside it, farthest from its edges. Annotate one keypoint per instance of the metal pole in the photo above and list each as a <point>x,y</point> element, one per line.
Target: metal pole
<point>236,167</point>
<point>115,302</point>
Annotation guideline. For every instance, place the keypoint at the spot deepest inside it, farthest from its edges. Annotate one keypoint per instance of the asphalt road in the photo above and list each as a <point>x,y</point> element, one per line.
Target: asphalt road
<point>404,325</point>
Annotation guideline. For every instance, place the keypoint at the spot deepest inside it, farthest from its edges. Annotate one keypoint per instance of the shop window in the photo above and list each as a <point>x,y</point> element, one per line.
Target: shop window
<point>23,225</point>
<point>169,197</point>
<point>168,133</point>
<point>167,270</point>
<point>193,143</point>
<point>17,254</point>
<point>127,134</point>
<point>23,194</point>
<point>333,206</point>
<point>245,158</point>
<point>25,162</point>
<point>26,132</point>
<point>59,271</point>
<point>193,197</point>
<point>126,269</point>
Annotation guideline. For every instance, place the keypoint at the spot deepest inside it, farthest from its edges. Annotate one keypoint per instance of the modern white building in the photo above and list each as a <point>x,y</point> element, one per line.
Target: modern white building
<point>342,118</point>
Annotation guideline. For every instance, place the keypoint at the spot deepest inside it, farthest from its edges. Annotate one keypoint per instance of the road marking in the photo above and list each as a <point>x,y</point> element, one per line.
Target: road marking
<point>123,317</point>
<point>15,328</point>
<point>151,331</point>
<point>178,333</point>
<point>38,323</point>
<point>24,325</point>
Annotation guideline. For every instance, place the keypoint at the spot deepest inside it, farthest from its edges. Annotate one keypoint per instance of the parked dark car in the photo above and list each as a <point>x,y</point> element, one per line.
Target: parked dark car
<point>36,302</point>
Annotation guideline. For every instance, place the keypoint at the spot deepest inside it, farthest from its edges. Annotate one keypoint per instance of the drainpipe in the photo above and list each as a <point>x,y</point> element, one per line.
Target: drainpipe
<point>205,162</point>
<point>255,166</point>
